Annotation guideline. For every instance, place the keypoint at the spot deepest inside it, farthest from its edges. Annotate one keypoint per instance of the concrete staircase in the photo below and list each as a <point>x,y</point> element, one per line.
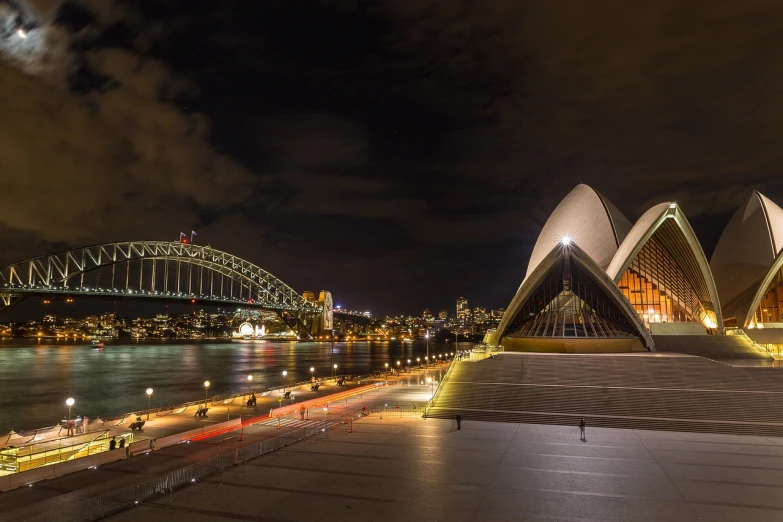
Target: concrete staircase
<point>718,347</point>
<point>646,391</point>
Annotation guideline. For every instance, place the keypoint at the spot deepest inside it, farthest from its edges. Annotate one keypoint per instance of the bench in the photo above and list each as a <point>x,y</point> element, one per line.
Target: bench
<point>137,425</point>
<point>201,412</point>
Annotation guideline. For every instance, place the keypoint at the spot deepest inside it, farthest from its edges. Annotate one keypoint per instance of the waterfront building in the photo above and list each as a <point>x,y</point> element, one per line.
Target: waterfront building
<point>463,311</point>
<point>594,282</point>
<point>426,315</point>
<point>748,268</point>
<point>443,315</point>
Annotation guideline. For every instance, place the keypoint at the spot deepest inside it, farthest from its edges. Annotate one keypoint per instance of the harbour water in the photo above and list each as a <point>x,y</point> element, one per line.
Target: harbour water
<point>37,377</point>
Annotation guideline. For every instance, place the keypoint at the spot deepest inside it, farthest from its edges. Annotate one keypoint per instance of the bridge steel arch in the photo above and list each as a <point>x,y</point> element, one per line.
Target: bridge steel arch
<point>171,274</point>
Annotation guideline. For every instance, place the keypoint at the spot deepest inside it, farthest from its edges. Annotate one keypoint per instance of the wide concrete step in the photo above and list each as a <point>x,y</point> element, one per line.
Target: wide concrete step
<point>646,392</point>
<point>710,346</point>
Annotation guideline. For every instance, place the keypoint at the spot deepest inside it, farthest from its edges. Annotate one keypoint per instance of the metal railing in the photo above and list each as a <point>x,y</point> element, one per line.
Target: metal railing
<point>440,386</point>
<point>739,332</point>
<point>125,498</point>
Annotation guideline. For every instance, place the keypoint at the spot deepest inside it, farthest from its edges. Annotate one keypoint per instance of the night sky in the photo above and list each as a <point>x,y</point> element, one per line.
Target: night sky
<point>398,153</point>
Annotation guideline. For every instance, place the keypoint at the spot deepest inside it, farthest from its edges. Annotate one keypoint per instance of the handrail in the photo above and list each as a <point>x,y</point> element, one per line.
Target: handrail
<point>741,333</point>
<point>437,391</point>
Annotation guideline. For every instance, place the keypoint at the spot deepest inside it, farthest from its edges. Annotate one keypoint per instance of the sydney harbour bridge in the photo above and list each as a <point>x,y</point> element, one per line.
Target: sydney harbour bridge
<point>170,271</point>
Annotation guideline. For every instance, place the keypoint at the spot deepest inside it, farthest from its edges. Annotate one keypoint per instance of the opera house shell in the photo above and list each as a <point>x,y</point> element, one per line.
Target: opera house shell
<point>748,268</point>
<point>595,283</point>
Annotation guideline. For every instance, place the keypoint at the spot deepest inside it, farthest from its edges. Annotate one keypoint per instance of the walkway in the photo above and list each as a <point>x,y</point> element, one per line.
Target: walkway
<point>57,494</point>
<point>410,469</point>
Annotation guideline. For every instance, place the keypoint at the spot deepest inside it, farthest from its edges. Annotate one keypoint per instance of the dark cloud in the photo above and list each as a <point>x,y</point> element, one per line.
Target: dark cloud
<point>397,153</point>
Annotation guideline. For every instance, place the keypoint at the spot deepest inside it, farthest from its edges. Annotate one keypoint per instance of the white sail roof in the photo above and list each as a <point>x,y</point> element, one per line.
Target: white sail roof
<point>746,253</point>
<point>587,219</point>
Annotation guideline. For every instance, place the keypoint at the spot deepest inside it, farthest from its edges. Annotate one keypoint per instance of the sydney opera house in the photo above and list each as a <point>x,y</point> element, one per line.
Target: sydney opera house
<point>597,283</point>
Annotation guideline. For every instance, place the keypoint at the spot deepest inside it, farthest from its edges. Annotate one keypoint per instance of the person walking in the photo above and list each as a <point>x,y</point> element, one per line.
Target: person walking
<point>459,422</point>
<point>582,435</point>
<point>112,443</point>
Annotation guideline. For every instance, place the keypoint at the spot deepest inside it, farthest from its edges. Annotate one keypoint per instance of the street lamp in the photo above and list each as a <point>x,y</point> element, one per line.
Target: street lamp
<point>331,353</point>
<point>334,370</point>
<point>69,401</point>
<point>206,389</point>
<point>312,373</point>
<point>249,384</point>
<point>418,360</point>
<point>398,366</point>
<point>427,337</point>
<point>386,365</point>
<point>285,373</point>
<point>149,397</point>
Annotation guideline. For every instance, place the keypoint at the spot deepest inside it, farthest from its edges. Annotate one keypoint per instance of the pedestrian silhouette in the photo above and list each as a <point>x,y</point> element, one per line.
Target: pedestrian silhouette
<point>582,435</point>
<point>459,422</point>
<point>122,442</point>
<point>113,443</point>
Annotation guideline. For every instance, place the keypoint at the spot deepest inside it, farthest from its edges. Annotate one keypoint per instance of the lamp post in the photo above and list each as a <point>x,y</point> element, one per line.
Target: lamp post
<point>331,353</point>
<point>418,361</point>
<point>334,370</point>
<point>249,385</point>
<point>70,402</point>
<point>398,366</point>
<point>312,374</point>
<point>206,390</point>
<point>285,373</point>
<point>149,397</point>
<point>427,338</point>
<point>386,365</point>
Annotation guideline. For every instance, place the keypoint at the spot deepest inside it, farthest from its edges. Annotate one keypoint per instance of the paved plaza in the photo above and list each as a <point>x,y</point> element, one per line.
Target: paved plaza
<point>414,469</point>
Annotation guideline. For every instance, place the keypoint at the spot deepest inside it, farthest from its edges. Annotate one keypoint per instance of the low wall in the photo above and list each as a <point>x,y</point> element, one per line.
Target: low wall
<point>24,478</point>
<point>677,329</point>
<point>571,345</point>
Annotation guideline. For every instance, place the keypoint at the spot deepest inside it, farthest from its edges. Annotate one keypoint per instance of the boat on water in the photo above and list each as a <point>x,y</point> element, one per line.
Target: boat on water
<point>97,343</point>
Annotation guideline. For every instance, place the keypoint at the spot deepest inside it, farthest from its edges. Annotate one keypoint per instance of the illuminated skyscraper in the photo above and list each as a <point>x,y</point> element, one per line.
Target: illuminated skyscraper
<point>463,312</point>
<point>443,315</point>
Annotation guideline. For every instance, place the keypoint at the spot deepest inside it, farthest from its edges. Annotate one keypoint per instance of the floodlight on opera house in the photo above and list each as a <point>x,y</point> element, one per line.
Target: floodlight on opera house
<point>617,285</point>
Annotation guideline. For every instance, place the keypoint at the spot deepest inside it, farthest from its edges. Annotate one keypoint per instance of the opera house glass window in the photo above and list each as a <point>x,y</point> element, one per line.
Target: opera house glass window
<point>771,302</point>
<point>658,289</point>
<point>570,303</point>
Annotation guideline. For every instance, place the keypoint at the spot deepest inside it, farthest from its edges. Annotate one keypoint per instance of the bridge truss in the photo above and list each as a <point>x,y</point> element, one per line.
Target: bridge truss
<point>152,270</point>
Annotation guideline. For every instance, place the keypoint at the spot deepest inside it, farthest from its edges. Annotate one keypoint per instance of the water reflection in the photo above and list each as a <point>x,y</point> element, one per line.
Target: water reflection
<point>35,379</point>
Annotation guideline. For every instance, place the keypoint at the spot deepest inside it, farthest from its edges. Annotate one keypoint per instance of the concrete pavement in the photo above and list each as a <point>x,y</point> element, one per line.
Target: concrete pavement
<point>411,469</point>
<point>57,494</point>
